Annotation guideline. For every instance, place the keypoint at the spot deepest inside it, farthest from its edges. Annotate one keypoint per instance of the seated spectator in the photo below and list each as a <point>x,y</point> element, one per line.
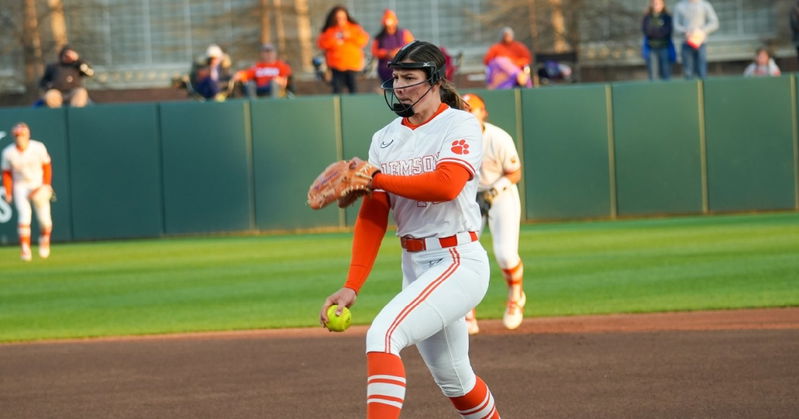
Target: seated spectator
<point>268,77</point>
<point>211,75</point>
<point>63,80</point>
<point>508,63</point>
<point>763,65</point>
<point>553,72</point>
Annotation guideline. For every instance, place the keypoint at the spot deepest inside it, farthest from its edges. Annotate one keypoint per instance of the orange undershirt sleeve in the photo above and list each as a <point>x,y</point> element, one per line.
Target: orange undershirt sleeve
<point>8,182</point>
<point>440,185</point>
<point>370,228</point>
<point>47,168</point>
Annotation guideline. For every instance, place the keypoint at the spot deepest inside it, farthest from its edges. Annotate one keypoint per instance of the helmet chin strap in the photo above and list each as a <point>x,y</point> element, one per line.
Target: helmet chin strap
<point>405,111</point>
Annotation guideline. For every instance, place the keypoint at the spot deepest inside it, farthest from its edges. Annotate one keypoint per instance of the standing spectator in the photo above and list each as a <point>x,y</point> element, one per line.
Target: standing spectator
<point>658,48</point>
<point>508,63</point>
<point>63,80</point>
<point>763,65</point>
<point>268,77</point>
<point>795,26</point>
<point>211,74</point>
<point>694,20</point>
<point>342,40</point>
<point>500,207</point>
<point>386,43</point>
<point>27,176</point>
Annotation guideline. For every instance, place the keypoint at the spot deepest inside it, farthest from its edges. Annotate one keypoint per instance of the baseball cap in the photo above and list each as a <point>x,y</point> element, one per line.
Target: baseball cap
<point>213,51</point>
<point>20,128</point>
<point>390,17</point>
<point>267,47</point>
<point>474,101</point>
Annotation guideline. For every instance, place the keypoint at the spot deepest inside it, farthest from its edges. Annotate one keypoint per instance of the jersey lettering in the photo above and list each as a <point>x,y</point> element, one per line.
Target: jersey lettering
<point>408,167</point>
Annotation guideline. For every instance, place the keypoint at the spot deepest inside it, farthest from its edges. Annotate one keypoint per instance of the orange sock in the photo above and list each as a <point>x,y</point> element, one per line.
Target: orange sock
<point>385,390</point>
<point>44,237</point>
<point>513,276</point>
<point>24,232</point>
<point>476,404</point>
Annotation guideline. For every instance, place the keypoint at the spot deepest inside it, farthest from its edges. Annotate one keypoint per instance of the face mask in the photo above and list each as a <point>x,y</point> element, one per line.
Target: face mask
<point>399,108</point>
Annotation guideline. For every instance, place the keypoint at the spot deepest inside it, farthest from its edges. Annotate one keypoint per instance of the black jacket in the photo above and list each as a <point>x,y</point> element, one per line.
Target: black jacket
<point>65,77</point>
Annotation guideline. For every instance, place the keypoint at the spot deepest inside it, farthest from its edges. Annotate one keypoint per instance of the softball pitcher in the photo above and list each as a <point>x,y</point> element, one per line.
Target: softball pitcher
<point>499,201</point>
<point>429,160</point>
<point>27,176</point>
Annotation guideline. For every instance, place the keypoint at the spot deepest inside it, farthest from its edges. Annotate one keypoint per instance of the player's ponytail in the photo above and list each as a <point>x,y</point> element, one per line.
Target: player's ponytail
<point>450,96</point>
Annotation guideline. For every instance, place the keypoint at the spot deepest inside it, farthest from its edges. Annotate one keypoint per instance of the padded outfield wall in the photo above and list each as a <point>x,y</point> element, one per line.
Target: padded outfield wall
<point>588,151</point>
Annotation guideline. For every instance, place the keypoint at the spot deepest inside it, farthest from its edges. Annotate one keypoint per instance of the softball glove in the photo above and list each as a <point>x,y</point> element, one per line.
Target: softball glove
<point>343,181</point>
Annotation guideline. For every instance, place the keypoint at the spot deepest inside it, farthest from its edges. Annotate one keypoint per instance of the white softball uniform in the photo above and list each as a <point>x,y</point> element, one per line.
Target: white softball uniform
<point>440,284</point>
<point>500,157</point>
<point>28,174</point>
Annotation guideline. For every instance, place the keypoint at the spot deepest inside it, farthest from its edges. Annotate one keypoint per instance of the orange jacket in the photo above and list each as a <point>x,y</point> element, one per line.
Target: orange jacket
<point>343,46</point>
<point>515,50</point>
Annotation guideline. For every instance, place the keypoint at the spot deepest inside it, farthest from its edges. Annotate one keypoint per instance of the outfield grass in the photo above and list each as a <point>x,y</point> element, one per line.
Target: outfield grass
<point>273,281</point>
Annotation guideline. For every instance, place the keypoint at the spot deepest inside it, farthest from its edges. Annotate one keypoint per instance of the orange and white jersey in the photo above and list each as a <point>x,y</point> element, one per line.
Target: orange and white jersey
<point>26,166</point>
<point>500,156</point>
<point>404,149</point>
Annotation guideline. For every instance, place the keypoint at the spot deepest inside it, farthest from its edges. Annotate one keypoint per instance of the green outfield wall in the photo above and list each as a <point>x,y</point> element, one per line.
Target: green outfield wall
<point>588,151</point>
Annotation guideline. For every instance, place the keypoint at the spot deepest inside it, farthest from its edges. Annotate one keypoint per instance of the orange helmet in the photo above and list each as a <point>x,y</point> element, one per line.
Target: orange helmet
<point>474,101</point>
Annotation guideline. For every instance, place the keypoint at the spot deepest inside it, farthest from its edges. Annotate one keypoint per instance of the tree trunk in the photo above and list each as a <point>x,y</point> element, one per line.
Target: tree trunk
<point>266,26</point>
<point>279,27</point>
<point>31,47</point>
<point>558,26</point>
<point>58,24</point>
<point>304,34</point>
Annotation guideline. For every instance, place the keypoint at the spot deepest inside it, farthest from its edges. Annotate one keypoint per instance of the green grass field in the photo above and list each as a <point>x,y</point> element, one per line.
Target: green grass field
<point>273,281</point>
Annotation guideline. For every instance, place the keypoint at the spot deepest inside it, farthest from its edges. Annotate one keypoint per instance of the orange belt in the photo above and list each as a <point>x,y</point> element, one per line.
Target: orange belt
<point>417,245</point>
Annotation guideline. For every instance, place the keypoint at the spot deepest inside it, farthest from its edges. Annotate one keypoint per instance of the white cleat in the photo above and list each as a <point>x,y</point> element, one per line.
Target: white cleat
<point>26,254</point>
<point>44,247</point>
<point>471,323</point>
<point>514,313</point>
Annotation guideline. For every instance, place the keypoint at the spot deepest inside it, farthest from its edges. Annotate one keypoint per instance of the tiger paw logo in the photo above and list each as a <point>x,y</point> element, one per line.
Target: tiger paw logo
<point>460,147</point>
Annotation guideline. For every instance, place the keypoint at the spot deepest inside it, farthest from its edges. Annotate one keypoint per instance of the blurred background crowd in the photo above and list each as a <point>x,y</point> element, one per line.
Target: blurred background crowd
<point>75,52</point>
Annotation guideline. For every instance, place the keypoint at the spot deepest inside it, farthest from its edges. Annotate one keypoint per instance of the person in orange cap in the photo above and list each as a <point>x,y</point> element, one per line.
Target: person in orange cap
<point>386,43</point>
<point>342,40</point>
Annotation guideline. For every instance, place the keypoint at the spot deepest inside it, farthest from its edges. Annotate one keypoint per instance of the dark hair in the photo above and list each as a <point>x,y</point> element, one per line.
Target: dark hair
<point>425,52</point>
<point>763,49</point>
<point>330,20</point>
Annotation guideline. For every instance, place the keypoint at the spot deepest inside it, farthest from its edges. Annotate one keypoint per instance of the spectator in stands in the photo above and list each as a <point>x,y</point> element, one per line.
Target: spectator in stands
<point>658,49</point>
<point>211,74</point>
<point>63,80</point>
<point>268,77</point>
<point>554,72</point>
<point>342,39</point>
<point>795,26</point>
<point>763,65</point>
<point>386,43</point>
<point>694,20</point>
<point>508,63</point>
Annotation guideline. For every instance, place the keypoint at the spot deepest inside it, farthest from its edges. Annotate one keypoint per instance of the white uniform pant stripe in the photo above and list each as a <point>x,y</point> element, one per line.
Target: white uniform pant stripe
<point>421,297</point>
<point>484,410</point>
